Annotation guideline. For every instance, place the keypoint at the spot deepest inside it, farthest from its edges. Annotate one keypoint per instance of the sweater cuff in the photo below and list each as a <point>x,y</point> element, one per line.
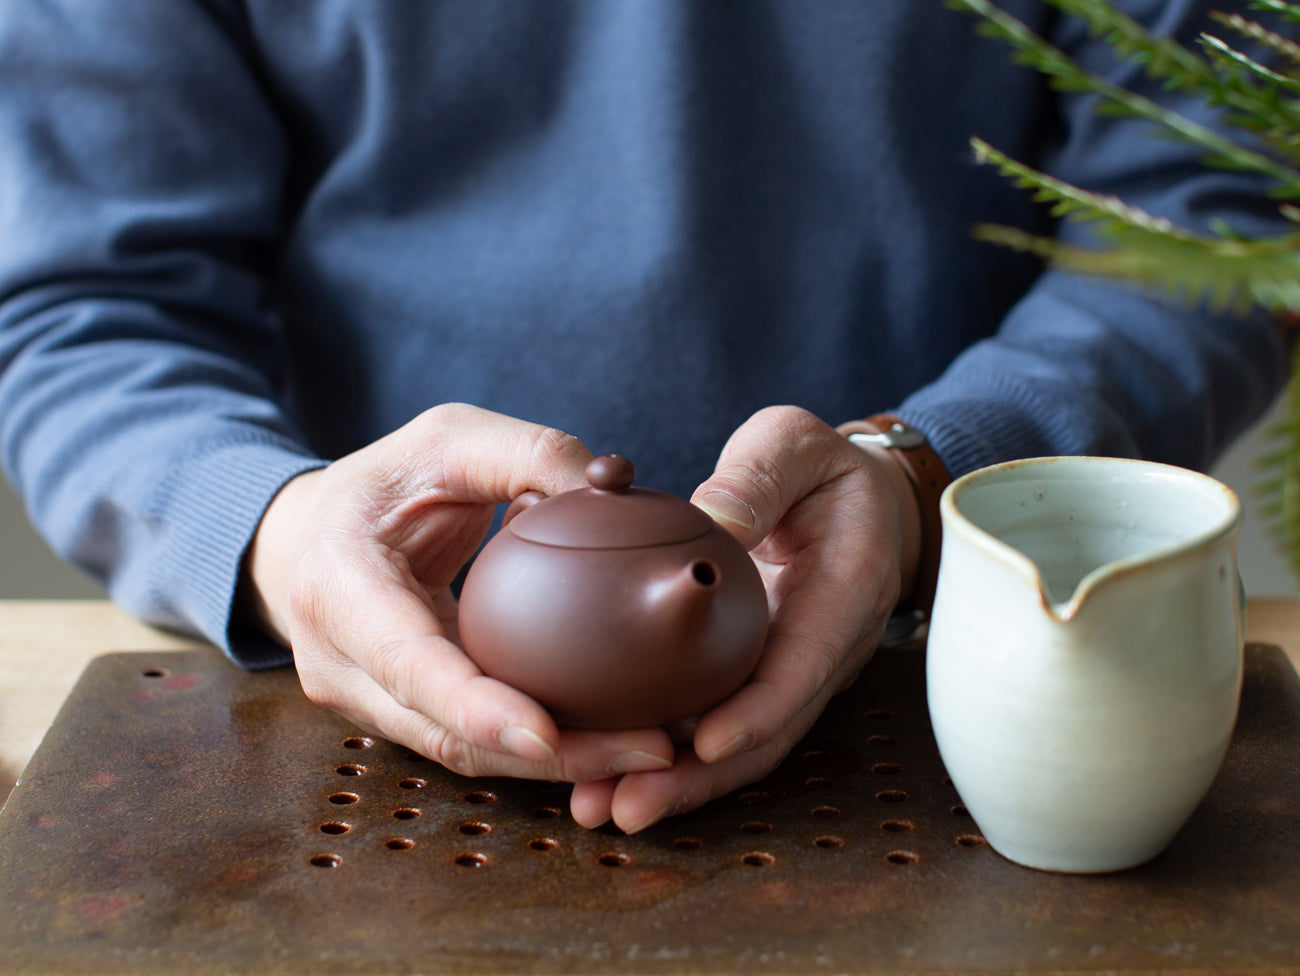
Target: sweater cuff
<point>213,505</point>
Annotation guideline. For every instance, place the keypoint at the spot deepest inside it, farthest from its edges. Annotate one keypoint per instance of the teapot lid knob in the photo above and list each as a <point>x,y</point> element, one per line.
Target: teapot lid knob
<point>610,472</point>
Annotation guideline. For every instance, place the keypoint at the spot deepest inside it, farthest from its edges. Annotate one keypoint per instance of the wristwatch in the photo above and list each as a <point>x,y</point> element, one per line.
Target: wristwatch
<point>928,477</point>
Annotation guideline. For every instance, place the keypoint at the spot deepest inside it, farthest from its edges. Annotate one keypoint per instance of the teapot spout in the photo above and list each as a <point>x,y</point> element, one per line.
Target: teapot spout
<point>685,594</point>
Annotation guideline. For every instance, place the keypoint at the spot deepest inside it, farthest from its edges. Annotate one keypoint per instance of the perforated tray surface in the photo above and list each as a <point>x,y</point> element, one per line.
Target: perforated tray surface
<point>185,817</point>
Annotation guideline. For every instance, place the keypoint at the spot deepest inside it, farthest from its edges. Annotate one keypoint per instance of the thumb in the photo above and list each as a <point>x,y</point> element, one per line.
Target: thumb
<point>773,460</point>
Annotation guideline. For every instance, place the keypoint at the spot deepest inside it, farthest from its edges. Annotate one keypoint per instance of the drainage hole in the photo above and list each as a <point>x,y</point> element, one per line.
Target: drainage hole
<point>687,844</point>
<point>475,828</point>
<point>879,714</point>
<point>886,769</point>
<point>881,740</point>
<point>971,840</point>
<point>828,842</point>
<point>343,799</point>
<point>480,796</point>
<point>155,672</point>
<point>406,813</point>
<point>411,783</point>
<point>543,844</point>
<point>753,798</point>
<point>335,827</point>
<point>358,742</point>
<point>756,827</point>
<point>758,859</point>
<point>891,796</point>
<point>614,859</point>
<point>817,754</point>
<point>818,782</point>
<point>902,857</point>
<point>399,843</point>
<point>960,810</point>
<point>470,860</point>
<point>326,860</point>
<point>897,826</point>
<point>350,769</point>
<point>825,812</point>
<point>547,813</point>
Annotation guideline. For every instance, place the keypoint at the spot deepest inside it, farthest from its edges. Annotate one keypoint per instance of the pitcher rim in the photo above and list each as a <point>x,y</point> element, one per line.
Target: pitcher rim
<point>954,519</point>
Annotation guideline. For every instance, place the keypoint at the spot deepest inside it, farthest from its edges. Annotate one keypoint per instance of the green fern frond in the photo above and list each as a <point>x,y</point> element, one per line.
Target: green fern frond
<point>1278,471</point>
<point>1288,11</point>
<point>1162,57</point>
<point>1286,48</point>
<point>1233,64</point>
<point>1067,200</point>
<point>1225,270</point>
<point>1222,274</point>
<point>1255,96</point>
<point>1065,74</point>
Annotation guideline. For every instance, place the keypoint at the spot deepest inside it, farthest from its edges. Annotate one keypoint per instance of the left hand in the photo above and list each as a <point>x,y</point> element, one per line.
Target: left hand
<point>835,532</point>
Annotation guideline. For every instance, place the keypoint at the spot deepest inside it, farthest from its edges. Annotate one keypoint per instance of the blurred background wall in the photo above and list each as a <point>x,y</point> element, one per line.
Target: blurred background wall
<point>28,570</point>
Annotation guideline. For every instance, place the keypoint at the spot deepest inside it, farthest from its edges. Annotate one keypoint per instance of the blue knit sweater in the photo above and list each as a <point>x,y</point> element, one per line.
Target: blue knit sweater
<point>239,238</point>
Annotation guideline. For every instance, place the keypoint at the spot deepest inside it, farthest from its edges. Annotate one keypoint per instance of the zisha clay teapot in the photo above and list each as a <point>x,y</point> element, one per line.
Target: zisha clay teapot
<point>614,606</point>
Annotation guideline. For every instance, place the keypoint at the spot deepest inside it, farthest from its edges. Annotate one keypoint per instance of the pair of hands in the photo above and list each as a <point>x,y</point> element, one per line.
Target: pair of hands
<point>352,566</point>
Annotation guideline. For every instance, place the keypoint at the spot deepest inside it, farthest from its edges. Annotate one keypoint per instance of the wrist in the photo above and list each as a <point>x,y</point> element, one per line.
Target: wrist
<point>272,553</point>
<point>922,478</point>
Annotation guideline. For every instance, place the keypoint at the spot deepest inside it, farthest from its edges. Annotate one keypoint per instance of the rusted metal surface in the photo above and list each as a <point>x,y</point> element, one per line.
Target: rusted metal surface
<point>185,817</point>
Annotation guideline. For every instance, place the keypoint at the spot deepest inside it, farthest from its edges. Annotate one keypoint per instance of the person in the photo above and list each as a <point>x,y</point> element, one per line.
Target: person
<point>294,295</point>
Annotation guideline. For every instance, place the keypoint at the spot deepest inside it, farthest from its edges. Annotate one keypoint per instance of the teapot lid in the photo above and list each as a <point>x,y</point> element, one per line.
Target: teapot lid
<point>611,513</point>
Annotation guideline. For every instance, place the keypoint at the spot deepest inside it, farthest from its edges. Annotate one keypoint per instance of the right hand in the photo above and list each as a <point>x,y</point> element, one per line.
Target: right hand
<point>352,567</point>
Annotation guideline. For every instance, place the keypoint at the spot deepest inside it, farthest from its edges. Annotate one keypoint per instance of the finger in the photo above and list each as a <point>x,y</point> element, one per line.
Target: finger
<point>422,690</point>
<point>579,756</point>
<point>777,457</point>
<point>832,597</point>
<point>798,668</point>
<point>644,799</point>
<point>459,453</point>
<point>359,601</point>
<point>591,804</point>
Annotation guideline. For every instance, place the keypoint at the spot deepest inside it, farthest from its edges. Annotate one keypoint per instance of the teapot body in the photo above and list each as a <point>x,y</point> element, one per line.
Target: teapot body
<point>616,638</point>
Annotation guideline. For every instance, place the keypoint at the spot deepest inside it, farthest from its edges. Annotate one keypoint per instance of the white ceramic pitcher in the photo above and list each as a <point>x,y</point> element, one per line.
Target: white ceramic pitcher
<point>1085,654</point>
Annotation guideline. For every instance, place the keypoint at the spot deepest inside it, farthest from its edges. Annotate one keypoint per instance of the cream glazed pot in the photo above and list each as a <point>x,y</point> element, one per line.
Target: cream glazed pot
<point>1084,660</point>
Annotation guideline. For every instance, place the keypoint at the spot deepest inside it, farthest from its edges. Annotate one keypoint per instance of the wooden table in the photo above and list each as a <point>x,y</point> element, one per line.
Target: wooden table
<point>45,645</point>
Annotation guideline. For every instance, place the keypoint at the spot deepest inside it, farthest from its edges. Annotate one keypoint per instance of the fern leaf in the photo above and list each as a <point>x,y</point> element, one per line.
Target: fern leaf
<point>1162,57</point>
<point>1230,60</point>
<point>1287,11</point>
<point>1223,274</point>
<point>1253,29</point>
<point>1278,486</point>
<point>1064,73</point>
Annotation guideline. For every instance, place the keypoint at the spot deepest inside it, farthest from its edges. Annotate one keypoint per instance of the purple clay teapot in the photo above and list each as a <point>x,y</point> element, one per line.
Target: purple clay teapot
<point>614,606</point>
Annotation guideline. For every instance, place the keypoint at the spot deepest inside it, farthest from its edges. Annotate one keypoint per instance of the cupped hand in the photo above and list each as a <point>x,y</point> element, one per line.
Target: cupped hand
<point>352,566</point>
<point>835,532</point>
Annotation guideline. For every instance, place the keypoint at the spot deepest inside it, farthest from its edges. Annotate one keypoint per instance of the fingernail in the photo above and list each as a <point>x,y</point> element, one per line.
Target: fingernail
<point>636,761</point>
<point>723,506</point>
<point>664,812</point>
<point>524,743</point>
<point>738,744</point>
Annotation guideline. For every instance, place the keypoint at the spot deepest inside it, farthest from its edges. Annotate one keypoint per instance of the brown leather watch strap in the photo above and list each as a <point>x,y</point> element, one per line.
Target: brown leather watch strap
<point>928,476</point>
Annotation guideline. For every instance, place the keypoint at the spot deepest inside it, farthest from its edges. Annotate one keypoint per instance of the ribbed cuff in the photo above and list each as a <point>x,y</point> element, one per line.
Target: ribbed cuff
<point>211,506</point>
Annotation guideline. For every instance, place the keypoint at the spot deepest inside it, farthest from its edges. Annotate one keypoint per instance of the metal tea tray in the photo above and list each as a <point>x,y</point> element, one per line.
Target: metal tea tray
<point>183,816</point>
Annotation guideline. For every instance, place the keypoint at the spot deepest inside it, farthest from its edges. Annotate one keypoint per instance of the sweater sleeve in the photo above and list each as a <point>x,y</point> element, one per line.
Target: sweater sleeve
<point>139,370</point>
<point>1085,366</point>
